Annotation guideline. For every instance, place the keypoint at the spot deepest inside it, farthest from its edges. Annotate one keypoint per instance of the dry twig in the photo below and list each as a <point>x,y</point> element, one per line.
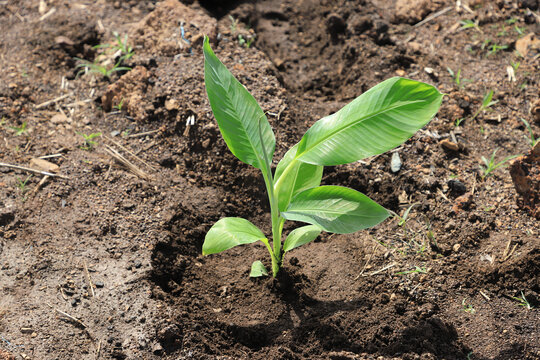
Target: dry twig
<point>35,171</point>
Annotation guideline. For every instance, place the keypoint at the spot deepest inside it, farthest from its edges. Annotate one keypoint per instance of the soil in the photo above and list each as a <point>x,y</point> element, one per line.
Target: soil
<point>105,262</point>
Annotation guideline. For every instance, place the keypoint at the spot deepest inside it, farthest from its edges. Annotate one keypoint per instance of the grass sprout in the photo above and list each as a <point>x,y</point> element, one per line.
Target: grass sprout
<point>19,130</point>
<point>456,77</point>
<point>490,165</point>
<point>21,184</point>
<point>523,301</point>
<point>487,102</point>
<point>532,139</point>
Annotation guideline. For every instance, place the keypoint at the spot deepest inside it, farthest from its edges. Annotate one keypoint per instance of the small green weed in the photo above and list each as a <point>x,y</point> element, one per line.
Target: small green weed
<point>494,48</point>
<point>88,140</point>
<point>487,102</point>
<point>523,301</point>
<point>532,140</point>
<point>469,24</point>
<point>515,65</point>
<point>416,270</point>
<point>519,30</point>
<point>468,308</point>
<point>122,47</point>
<point>21,184</point>
<point>121,50</point>
<point>245,41</point>
<point>503,32</point>
<point>234,24</point>
<point>96,68</point>
<point>511,21</point>
<point>458,122</point>
<point>119,105</point>
<point>490,165</point>
<point>19,130</point>
<point>456,77</point>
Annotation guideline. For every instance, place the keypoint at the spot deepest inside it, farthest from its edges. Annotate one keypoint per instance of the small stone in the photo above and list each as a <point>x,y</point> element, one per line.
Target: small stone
<point>59,119</point>
<point>171,104</point>
<point>456,247</point>
<point>400,72</point>
<point>395,163</point>
<point>99,284</point>
<point>157,349</point>
<point>463,202</point>
<point>456,187</point>
<point>449,145</point>
<point>137,264</point>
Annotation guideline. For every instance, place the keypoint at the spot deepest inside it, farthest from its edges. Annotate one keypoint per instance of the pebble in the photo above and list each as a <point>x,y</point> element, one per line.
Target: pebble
<point>99,284</point>
<point>449,145</point>
<point>456,247</point>
<point>395,163</point>
<point>456,187</point>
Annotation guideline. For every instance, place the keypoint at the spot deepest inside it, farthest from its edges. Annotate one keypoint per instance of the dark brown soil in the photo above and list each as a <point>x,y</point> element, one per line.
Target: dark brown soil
<point>107,264</point>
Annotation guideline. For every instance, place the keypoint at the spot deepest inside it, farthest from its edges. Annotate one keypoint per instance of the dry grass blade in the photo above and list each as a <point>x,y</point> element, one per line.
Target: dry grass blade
<point>47,103</point>
<point>128,164</point>
<point>131,153</point>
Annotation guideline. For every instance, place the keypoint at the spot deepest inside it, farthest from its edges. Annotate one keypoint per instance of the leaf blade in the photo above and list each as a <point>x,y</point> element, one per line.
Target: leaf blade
<point>293,177</point>
<point>258,269</point>
<point>335,209</point>
<point>240,118</point>
<point>228,233</point>
<point>301,236</point>
<point>378,120</point>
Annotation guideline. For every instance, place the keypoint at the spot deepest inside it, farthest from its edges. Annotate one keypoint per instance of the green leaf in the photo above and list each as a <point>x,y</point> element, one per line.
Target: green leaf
<point>335,209</point>
<point>258,269</point>
<point>378,120</point>
<point>230,232</point>
<point>301,236</point>
<point>241,120</point>
<point>293,177</point>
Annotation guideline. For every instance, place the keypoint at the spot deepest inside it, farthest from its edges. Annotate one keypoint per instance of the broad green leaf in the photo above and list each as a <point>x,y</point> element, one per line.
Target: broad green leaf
<point>241,120</point>
<point>335,209</point>
<point>258,269</point>
<point>382,118</point>
<point>230,232</point>
<point>301,236</point>
<point>293,177</point>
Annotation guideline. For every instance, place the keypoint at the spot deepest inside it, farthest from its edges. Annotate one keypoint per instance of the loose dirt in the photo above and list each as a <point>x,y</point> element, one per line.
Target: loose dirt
<point>105,262</point>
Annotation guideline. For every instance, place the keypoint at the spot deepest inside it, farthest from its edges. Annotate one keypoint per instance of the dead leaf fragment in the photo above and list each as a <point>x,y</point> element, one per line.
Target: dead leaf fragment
<point>44,165</point>
<point>526,43</point>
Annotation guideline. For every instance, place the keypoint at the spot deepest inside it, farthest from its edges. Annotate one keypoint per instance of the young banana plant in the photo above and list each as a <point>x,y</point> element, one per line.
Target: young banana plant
<point>377,121</point>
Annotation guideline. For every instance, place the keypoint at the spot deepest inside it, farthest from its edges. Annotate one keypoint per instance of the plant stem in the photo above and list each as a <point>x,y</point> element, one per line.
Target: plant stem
<point>274,210</point>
